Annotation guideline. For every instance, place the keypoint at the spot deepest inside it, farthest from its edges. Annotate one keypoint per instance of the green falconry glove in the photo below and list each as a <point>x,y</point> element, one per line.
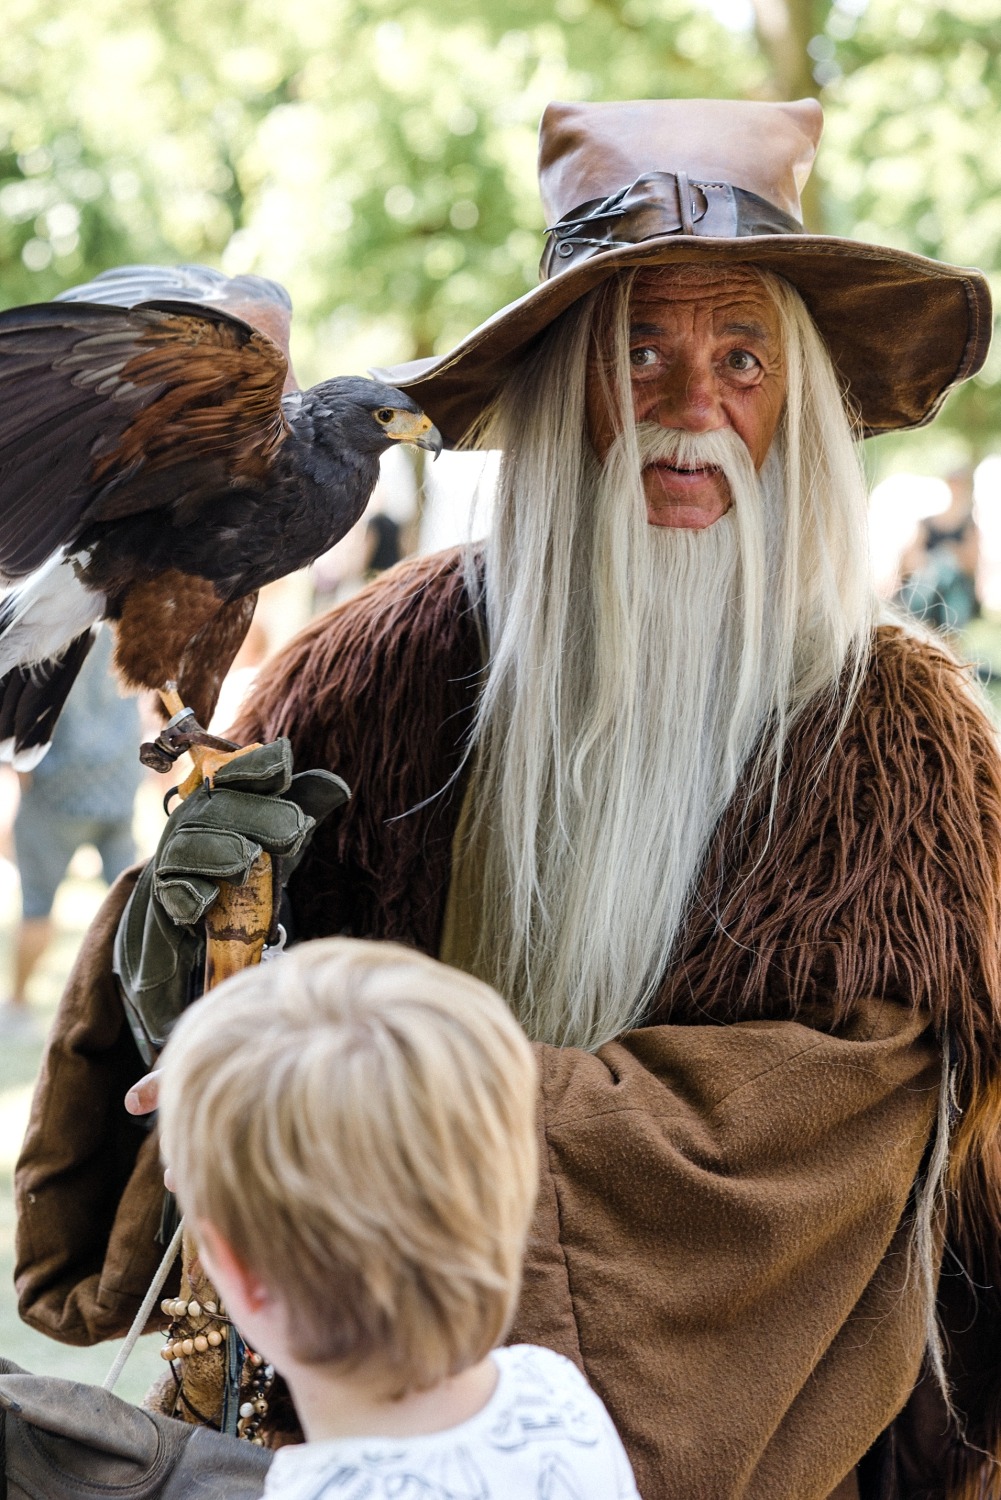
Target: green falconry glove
<point>256,804</point>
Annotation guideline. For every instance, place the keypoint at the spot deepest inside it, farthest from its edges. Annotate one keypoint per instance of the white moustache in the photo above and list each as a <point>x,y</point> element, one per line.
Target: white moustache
<point>719,449</point>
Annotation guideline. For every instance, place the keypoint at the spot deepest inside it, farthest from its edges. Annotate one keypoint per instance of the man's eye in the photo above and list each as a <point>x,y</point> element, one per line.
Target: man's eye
<point>741,361</point>
<point>643,357</point>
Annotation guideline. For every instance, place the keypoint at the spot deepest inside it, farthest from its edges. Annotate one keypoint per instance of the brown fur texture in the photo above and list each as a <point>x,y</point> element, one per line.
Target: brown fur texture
<point>881,875</point>
<point>381,691</point>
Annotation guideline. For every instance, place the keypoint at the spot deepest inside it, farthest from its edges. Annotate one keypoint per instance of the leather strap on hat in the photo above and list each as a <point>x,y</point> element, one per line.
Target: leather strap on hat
<point>656,204</point>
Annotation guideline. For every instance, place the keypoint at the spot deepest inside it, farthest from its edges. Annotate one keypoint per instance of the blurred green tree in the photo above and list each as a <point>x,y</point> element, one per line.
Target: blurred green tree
<point>912,98</point>
<point>915,112</point>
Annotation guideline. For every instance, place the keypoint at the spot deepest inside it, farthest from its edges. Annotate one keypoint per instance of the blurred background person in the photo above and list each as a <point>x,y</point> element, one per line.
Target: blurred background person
<point>939,567</point>
<point>82,792</point>
<point>383,540</point>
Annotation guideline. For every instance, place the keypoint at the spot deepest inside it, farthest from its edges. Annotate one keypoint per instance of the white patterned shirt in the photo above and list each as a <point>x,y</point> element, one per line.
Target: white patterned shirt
<point>543,1435</point>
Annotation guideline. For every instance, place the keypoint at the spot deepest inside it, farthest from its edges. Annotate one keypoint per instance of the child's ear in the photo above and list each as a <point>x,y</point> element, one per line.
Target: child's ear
<point>242,1289</point>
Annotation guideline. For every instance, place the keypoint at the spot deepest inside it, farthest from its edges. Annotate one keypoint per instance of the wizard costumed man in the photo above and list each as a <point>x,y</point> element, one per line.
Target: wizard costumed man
<point>653,762</point>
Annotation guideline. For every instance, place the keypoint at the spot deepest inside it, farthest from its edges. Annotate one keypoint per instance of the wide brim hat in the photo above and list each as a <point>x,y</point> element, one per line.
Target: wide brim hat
<point>660,182</point>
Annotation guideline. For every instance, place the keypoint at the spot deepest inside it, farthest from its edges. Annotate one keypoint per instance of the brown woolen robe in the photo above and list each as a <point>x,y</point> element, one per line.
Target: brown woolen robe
<point>723,1228</point>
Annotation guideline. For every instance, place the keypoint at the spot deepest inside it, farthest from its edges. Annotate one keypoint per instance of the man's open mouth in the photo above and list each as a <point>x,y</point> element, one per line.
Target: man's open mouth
<point>695,469</point>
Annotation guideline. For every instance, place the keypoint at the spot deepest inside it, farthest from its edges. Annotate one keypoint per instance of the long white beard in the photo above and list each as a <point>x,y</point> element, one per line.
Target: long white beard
<point>645,689</point>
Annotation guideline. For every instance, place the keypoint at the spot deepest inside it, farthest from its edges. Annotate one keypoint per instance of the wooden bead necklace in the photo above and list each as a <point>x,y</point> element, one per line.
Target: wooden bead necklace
<point>210,1333</point>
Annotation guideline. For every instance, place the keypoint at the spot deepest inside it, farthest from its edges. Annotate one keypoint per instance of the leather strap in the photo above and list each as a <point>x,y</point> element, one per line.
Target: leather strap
<point>657,204</point>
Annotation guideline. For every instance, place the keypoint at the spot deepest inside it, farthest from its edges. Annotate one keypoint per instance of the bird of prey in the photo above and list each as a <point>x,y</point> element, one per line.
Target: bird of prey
<point>158,466</point>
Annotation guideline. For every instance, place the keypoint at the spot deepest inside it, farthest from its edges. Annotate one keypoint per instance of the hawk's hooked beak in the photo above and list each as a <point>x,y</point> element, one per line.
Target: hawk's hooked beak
<point>415,427</point>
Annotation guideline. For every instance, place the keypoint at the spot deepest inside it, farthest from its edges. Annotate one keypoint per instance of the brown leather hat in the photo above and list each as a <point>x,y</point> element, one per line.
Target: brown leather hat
<point>666,182</point>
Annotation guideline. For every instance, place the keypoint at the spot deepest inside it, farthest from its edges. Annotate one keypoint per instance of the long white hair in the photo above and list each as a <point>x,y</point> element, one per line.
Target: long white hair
<point>635,672</point>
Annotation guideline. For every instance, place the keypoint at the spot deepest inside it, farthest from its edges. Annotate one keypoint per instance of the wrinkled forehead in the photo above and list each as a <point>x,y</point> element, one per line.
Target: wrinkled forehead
<point>667,294</point>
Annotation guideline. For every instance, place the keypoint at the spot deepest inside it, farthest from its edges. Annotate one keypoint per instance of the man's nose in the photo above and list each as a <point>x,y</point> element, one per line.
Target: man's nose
<point>687,397</point>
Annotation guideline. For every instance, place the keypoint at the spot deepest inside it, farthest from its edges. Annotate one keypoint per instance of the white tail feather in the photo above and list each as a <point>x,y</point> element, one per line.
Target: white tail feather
<point>44,613</point>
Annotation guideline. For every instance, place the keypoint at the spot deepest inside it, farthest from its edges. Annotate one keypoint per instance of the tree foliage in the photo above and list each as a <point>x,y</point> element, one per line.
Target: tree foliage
<point>379,157</point>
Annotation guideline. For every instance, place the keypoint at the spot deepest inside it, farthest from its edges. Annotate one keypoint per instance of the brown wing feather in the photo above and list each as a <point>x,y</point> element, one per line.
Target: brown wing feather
<point>262,303</point>
<point>98,405</point>
<point>270,318</point>
<point>215,391</point>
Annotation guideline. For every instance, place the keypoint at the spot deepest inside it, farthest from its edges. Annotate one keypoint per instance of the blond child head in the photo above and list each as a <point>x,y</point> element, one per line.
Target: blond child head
<point>357,1122</point>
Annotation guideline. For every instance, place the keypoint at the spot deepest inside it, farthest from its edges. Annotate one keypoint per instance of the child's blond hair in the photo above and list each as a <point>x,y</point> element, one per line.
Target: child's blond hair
<point>357,1121</point>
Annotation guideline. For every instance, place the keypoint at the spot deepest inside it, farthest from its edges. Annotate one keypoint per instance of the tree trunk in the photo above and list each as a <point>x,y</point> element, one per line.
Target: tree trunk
<point>784,29</point>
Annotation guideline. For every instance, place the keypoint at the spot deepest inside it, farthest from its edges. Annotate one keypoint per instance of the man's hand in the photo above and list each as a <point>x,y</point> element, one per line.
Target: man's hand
<point>142,1099</point>
<point>144,1096</point>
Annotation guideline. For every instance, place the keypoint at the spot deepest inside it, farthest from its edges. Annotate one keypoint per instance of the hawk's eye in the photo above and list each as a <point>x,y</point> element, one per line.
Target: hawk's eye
<point>385,415</point>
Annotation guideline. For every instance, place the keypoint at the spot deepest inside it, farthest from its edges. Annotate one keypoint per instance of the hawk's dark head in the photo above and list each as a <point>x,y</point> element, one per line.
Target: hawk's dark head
<point>369,416</point>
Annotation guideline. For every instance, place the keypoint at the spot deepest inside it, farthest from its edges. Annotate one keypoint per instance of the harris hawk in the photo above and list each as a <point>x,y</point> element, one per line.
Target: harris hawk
<point>158,466</point>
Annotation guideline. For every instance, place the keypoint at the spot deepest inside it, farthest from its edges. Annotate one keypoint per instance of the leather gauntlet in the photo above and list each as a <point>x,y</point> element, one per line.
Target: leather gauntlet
<point>254,805</point>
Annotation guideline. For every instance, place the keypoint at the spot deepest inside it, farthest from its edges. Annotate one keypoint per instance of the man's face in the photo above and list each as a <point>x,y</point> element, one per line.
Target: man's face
<point>703,356</point>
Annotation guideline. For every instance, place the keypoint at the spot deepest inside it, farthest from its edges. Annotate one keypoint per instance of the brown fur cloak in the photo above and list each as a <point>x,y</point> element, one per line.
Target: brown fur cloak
<point>724,1219</point>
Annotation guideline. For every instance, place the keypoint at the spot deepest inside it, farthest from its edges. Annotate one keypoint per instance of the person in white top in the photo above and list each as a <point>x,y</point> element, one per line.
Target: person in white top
<point>351,1136</point>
